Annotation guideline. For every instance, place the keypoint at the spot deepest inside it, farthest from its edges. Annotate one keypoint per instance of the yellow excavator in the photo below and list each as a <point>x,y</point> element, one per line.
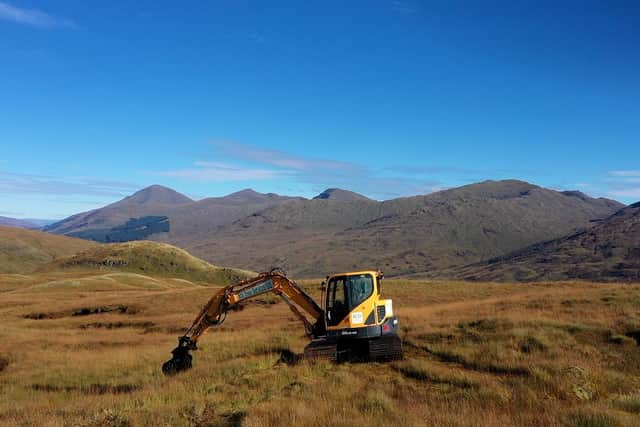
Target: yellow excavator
<point>353,323</point>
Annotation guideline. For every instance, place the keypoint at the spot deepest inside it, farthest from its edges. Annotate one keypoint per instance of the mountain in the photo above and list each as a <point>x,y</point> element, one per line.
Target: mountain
<point>155,200</point>
<point>609,251</point>
<point>154,195</point>
<point>341,195</point>
<point>23,251</point>
<point>401,236</point>
<point>19,223</point>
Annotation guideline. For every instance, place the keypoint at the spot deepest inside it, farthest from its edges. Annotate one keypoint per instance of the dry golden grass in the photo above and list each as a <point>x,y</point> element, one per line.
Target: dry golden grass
<point>476,355</point>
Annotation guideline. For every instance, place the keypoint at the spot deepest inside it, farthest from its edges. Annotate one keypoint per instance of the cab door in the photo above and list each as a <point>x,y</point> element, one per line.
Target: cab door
<point>337,301</point>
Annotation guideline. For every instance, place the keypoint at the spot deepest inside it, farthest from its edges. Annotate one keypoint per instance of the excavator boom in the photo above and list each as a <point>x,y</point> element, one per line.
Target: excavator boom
<point>215,311</point>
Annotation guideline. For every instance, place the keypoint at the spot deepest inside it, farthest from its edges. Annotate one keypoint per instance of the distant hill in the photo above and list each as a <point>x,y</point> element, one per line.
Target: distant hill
<point>19,223</point>
<point>342,230</point>
<point>149,258</point>
<point>24,251</point>
<point>609,251</point>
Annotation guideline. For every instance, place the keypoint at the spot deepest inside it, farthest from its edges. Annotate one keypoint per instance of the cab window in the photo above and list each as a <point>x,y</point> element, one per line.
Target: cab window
<point>337,305</point>
<point>345,293</point>
<point>360,288</point>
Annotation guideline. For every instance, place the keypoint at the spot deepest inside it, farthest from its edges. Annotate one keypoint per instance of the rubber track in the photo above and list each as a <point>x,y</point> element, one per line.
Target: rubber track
<point>385,349</point>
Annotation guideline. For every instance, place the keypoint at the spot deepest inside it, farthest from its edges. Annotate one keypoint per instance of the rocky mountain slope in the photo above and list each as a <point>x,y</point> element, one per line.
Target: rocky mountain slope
<point>609,251</point>
<point>433,232</point>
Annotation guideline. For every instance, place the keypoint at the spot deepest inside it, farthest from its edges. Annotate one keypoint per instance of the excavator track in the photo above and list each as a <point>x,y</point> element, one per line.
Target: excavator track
<point>385,348</point>
<point>321,349</point>
<point>381,349</point>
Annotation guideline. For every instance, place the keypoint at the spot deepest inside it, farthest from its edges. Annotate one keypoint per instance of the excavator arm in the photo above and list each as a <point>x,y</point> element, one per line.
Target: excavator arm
<point>215,312</point>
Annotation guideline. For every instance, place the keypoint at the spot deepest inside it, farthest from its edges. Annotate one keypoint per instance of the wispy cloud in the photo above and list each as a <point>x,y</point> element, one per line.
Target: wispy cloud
<point>32,17</point>
<point>624,184</point>
<point>630,192</point>
<point>276,158</point>
<point>627,173</point>
<point>244,162</point>
<point>18,183</point>
<point>221,172</point>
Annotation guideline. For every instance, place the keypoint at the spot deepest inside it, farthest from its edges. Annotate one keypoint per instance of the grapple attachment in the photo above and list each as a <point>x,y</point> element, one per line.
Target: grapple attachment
<point>181,360</point>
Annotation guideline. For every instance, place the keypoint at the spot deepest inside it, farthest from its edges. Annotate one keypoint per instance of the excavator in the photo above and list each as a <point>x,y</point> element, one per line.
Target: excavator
<point>353,324</point>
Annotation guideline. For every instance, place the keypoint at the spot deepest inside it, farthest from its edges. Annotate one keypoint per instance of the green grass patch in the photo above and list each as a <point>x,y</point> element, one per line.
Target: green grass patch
<point>582,419</point>
<point>629,403</point>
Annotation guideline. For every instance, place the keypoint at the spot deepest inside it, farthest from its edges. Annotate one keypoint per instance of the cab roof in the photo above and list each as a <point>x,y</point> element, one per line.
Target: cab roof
<point>357,273</point>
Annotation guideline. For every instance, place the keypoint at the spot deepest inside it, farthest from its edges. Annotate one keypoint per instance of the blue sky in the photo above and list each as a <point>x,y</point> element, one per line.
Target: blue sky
<point>387,98</point>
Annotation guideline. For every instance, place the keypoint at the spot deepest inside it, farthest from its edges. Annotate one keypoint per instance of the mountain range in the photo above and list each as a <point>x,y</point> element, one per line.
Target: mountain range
<point>342,230</point>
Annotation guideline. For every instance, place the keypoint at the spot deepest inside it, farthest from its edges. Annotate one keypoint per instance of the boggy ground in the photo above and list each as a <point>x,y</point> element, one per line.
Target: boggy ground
<point>86,349</point>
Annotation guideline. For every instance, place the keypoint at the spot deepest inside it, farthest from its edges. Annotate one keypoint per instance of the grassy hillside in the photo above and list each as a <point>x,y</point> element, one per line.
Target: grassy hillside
<point>491,355</point>
<point>149,258</point>
<point>23,251</point>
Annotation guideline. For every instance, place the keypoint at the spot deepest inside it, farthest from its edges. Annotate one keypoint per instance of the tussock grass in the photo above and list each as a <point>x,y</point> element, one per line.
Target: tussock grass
<point>420,372</point>
<point>531,344</point>
<point>621,340</point>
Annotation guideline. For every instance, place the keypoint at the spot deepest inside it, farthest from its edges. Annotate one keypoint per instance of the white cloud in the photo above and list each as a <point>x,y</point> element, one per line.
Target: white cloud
<point>32,17</point>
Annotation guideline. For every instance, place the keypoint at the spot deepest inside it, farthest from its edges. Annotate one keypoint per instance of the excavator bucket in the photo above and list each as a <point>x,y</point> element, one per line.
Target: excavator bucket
<point>181,360</point>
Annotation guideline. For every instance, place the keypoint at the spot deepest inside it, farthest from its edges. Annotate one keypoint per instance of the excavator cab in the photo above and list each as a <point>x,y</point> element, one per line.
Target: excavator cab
<point>359,325</point>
